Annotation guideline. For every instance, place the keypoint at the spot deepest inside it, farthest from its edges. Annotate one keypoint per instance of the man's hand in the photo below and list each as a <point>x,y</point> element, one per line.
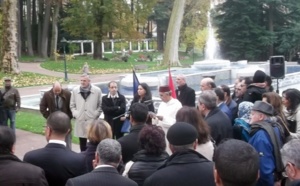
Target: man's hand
<point>160,118</point>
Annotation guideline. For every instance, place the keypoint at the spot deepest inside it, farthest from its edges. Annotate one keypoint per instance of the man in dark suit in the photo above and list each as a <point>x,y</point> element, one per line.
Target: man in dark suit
<point>107,158</point>
<point>185,166</point>
<point>57,99</point>
<point>129,143</point>
<point>185,94</point>
<point>114,105</point>
<point>219,123</point>
<point>58,162</point>
<point>12,170</point>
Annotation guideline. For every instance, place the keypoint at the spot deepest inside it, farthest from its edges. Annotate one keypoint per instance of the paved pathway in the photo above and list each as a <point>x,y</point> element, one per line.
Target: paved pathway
<point>27,141</point>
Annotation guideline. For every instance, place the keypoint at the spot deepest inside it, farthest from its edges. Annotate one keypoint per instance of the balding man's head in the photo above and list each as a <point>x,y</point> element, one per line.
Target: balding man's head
<point>180,80</point>
<point>207,84</point>
<point>56,88</point>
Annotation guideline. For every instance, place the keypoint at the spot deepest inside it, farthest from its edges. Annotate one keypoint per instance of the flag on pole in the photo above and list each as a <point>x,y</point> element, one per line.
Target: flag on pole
<point>171,84</point>
<point>135,82</point>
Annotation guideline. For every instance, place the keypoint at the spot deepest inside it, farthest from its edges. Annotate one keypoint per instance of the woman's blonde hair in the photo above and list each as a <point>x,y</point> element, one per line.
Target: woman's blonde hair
<point>98,131</point>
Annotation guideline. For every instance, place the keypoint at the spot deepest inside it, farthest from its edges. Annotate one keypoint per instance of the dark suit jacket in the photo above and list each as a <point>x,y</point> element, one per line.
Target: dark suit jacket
<point>220,125</point>
<point>129,143</point>
<point>186,168</point>
<point>187,96</point>
<point>106,176</point>
<point>113,109</point>
<point>58,162</point>
<point>47,105</point>
<point>14,172</point>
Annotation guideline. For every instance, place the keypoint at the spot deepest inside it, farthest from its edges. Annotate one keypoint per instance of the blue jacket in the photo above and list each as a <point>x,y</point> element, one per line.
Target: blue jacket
<point>223,107</point>
<point>263,145</point>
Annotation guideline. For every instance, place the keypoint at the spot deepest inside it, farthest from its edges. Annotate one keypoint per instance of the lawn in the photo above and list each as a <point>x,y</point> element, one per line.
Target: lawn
<point>33,122</point>
<point>27,79</point>
<point>114,63</point>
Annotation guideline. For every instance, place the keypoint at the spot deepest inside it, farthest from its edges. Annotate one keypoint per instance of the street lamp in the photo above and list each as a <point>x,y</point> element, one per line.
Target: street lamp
<point>64,42</point>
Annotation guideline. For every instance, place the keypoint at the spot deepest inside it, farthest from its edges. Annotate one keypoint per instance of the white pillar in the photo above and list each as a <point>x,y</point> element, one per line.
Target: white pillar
<point>130,46</point>
<point>102,47</point>
<point>147,48</point>
<point>81,47</point>
<point>139,46</point>
<point>92,47</point>
<point>112,46</point>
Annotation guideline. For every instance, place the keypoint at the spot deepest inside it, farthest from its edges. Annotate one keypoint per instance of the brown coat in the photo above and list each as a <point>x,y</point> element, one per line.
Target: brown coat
<point>47,105</point>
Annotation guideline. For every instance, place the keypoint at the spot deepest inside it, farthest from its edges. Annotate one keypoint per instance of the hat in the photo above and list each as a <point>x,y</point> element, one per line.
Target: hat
<point>165,88</point>
<point>182,133</point>
<point>263,107</point>
<point>7,79</point>
<point>259,77</point>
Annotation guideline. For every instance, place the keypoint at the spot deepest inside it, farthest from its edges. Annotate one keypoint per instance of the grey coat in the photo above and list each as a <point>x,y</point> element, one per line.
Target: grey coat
<point>85,111</point>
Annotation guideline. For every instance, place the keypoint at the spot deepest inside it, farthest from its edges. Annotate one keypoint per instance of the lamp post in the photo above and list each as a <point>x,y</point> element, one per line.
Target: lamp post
<point>64,42</point>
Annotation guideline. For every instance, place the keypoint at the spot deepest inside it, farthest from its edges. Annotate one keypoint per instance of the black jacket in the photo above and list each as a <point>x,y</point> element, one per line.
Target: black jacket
<point>129,143</point>
<point>220,125</point>
<point>184,168</point>
<point>113,108</point>
<point>144,165</point>
<point>15,172</point>
<point>106,176</point>
<point>58,162</point>
<point>89,154</point>
<point>253,93</point>
<point>186,95</point>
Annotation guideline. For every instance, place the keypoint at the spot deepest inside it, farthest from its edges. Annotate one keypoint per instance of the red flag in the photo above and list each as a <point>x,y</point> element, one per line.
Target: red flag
<point>171,84</point>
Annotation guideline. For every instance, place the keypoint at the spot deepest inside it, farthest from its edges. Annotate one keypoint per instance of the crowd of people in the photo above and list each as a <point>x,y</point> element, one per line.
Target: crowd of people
<point>246,138</point>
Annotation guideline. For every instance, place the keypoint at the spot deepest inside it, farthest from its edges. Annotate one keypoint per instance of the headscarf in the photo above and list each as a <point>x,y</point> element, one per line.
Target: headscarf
<point>244,111</point>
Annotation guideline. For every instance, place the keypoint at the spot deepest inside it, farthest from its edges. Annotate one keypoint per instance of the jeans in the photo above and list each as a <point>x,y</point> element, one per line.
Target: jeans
<point>11,115</point>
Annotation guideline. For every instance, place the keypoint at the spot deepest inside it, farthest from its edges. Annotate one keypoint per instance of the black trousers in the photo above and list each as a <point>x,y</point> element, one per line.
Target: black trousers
<point>82,144</point>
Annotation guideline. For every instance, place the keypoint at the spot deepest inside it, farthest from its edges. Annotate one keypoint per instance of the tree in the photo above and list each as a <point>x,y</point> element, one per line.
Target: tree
<point>100,18</point>
<point>9,37</point>
<point>172,42</point>
<point>194,20</point>
<point>45,31</point>
<point>56,5</point>
<point>161,15</point>
<point>241,35</point>
<point>28,29</point>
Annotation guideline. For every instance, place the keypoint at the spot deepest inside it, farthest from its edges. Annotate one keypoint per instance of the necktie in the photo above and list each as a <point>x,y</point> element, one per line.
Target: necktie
<point>56,101</point>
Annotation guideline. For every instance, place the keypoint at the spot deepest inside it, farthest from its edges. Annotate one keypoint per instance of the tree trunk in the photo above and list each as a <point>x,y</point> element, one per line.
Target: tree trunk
<point>9,61</point>
<point>40,24</point>
<point>20,21</point>
<point>34,28</point>
<point>54,30</point>
<point>160,38</point>
<point>28,29</point>
<point>99,33</point>
<point>171,50</point>
<point>45,32</point>
<point>271,26</point>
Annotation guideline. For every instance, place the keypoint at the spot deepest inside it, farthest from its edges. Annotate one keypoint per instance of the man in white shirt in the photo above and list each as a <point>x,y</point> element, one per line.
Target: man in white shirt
<point>167,110</point>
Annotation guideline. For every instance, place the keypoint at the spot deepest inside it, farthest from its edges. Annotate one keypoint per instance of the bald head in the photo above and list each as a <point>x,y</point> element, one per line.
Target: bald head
<point>207,84</point>
<point>180,80</point>
<point>56,88</point>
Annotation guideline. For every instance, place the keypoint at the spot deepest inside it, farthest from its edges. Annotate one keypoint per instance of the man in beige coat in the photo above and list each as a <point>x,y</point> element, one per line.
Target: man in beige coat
<point>85,105</point>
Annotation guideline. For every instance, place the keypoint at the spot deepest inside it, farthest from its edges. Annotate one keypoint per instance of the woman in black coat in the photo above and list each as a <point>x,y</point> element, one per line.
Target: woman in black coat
<point>144,96</point>
<point>151,156</point>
